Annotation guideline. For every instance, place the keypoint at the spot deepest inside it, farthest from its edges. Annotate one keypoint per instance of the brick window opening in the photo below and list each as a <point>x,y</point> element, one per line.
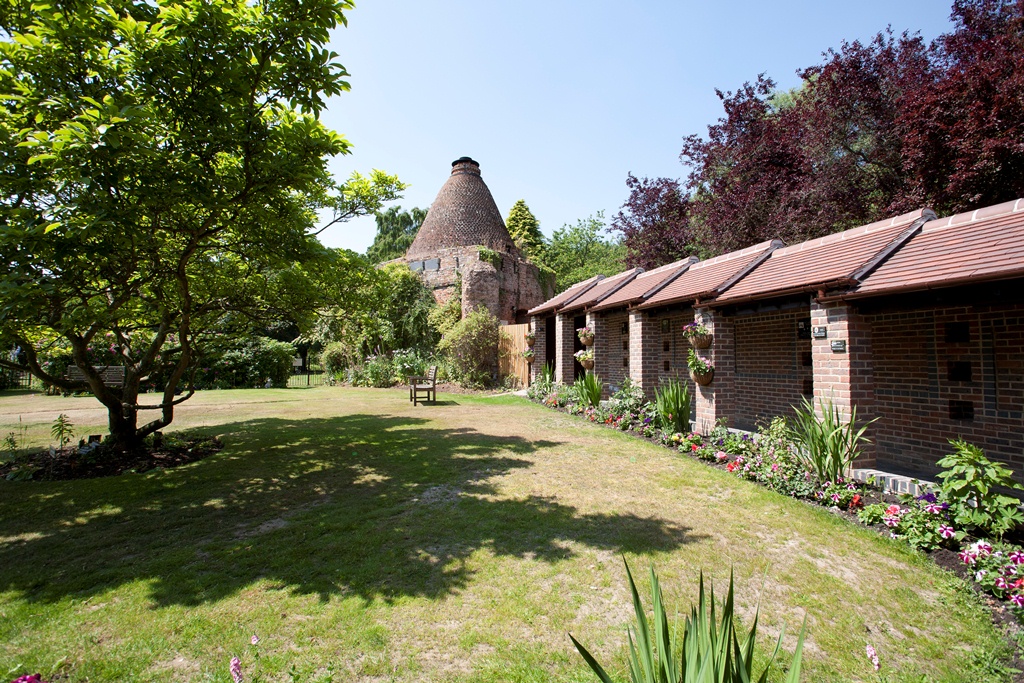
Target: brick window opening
<point>806,359</point>
<point>958,333</point>
<point>625,362</point>
<point>666,326</point>
<point>625,345</point>
<point>666,345</point>
<point>668,366</point>
<point>803,329</point>
<point>959,371</point>
<point>625,328</point>
<point>808,388</point>
<point>961,410</point>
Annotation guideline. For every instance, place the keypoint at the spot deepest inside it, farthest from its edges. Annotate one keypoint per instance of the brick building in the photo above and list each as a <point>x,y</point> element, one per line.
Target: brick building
<point>463,241</point>
<point>915,320</point>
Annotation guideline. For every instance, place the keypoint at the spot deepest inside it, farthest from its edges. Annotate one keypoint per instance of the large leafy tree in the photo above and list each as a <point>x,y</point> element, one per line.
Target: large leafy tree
<point>524,228</point>
<point>396,230</point>
<point>877,129</point>
<point>580,251</point>
<point>654,222</point>
<point>162,171</point>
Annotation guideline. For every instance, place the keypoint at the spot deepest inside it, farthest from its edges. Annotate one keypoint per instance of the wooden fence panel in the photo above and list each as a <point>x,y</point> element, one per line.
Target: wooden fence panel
<point>511,344</point>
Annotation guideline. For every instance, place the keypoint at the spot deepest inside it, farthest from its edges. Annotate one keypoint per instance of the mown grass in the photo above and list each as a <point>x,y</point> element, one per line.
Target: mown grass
<point>365,539</point>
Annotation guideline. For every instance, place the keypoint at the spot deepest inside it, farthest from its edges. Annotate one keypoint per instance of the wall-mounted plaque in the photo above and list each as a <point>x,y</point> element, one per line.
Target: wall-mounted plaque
<point>839,346</point>
<point>819,332</point>
<point>432,264</point>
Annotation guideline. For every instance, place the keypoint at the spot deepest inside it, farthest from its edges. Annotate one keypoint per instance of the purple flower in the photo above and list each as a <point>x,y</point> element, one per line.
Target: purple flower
<point>835,497</point>
<point>946,531</point>
<point>928,497</point>
<point>967,557</point>
<point>30,678</point>
<point>1017,557</point>
<point>933,508</point>
<point>1001,583</point>
<point>980,574</point>
<point>1017,599</point>
<point>255,639</point>
<point>236,670</point>
<point>983,548</point>
<point>872,657</point>
<point>891,521</point>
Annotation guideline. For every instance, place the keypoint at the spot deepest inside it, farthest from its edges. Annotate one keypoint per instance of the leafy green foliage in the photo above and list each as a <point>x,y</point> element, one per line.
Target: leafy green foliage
<point>971,484</point>
<point>577,252</point>
<point>827,445</point>
<point>63,430</point>
<point>250,363</point>
<point>471,348</point>
<point>524,228</point>
<point>334,358</point>
<point>697,364</point>
<point>587,390</point>
<point>164,168</point>
<point>711,650</point>
<point>388,370</point>
<point>674,403</point>
<point>396,229</point>
<point>444,317</point>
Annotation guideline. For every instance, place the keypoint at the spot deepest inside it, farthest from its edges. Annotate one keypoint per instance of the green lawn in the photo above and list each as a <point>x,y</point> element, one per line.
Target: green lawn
<point>358,535</point>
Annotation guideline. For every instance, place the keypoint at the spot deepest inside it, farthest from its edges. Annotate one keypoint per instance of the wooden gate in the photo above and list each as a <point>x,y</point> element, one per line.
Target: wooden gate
<point>511,344</point>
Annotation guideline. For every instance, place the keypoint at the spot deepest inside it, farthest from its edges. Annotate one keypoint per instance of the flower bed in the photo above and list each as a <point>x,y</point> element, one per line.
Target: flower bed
<point>948,522</point>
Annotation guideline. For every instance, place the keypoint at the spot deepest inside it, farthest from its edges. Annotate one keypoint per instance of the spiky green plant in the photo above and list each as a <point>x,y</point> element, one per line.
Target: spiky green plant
<point>710,652</point>
<point>588,389</point>
<point>673,403</point>
<point>828,445</point>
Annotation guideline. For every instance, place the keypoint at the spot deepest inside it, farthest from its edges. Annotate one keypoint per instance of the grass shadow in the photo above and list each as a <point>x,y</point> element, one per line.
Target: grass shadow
<point>378,506</point>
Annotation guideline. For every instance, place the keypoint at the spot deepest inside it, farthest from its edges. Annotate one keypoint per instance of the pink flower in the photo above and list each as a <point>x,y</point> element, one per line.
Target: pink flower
<point>1017,599</point>
<point>946,531</point>
<point>835,497</point>
<point>983,548</point>
<point>1017,557</point>
<point>1001,583</point>
<point>722,455</point>
<point>775,467</point>
<point>967,557</point>
<point>236,670</point>
<point>891,521</point>
<point>872,657</point>
<point>255,639</point>
<point>893,510</point>
<point>933,508</point>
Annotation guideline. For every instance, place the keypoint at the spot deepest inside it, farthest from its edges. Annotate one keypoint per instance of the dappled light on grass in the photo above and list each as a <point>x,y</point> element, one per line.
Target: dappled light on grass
<point>377,506</point>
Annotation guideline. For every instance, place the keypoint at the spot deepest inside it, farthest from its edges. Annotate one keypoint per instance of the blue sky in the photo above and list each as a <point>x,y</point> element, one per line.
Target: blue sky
<point>559,100</point>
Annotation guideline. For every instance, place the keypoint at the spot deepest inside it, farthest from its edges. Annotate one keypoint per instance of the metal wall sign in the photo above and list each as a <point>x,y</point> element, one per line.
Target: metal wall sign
<point>839,346</point>
<point>819,332</point>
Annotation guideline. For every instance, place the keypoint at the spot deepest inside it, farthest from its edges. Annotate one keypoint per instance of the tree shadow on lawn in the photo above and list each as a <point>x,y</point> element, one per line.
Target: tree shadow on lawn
<point>377,506</point>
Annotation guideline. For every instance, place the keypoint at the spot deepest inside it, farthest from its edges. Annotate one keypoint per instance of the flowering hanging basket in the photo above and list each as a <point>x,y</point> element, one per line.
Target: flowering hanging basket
<point>703,378</point>
<point>587,339</point>
<point>529,359</point>
<point>587,363</point>
<point>700,341</point>
<point>530,341</point>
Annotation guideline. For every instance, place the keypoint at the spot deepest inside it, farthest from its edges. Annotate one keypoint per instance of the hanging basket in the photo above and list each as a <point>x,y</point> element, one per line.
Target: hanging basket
<point>587,339</point>
<point>530,342</point>
<point>704,378</point>
<point>701,341</point>
<point>529,359</point>
<point>587,363</point>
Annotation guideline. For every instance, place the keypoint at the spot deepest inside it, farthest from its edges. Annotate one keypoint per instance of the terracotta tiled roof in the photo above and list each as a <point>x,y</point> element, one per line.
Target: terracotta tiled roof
<point>602,290</point>
<point>567,296</point>
<point>830,260</point>
<point>463,214</point>
<point>987,244</point>
<point>709,277</point>
<point>643,283</point>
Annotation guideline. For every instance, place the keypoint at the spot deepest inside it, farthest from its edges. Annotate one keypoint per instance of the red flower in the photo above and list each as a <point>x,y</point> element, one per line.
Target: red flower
<point>731,466</point>
<point>856,502</point>
<point>693,447</point>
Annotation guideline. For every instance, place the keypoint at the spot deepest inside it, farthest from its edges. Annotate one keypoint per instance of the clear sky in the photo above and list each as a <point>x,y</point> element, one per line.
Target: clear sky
<point>559,100</point>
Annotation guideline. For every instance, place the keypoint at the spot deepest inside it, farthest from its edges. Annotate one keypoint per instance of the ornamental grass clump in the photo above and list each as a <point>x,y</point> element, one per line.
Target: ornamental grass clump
<point>588,390</point>
<point>827,445</point>
<point>710,652</point>
<point>673,402</point>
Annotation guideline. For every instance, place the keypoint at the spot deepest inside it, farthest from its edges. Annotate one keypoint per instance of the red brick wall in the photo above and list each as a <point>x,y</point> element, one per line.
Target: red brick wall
<point>914,385</point>
<point>770,365</point>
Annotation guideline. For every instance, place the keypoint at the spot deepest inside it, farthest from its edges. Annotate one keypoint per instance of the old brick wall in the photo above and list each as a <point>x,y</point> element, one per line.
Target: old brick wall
<point>942,372</point>
<point>773,368</point>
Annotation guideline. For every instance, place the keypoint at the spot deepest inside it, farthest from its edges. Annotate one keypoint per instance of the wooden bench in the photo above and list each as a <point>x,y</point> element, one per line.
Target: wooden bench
<point>423,388</point>
<point>112,375</point>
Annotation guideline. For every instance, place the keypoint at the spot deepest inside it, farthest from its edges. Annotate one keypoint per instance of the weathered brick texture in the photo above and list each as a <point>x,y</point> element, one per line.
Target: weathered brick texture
<point>565,340</point>
<point>717,400</point>
<point>540,346</point>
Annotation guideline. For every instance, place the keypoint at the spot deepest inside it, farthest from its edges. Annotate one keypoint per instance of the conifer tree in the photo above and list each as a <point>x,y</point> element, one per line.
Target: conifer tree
<point>524,228</point>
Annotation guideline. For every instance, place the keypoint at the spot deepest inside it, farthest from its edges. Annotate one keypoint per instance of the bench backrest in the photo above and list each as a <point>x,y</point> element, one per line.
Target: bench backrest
<point>112,375</point>
<point>432,374</point>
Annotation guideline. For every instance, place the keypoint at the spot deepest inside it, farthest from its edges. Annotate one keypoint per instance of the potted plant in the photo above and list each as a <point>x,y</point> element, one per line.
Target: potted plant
<point>701,371</point>
<point>697,334</point>
<point>530,337</point>
<point>586,358</point>
<point>586,335</point>
<point>528,354</point>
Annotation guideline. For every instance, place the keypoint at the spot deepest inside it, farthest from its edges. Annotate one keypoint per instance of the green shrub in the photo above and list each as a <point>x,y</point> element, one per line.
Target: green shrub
<point>673,403</point>
<point>543,385</point>
<point>253,362</point>
<point>970,483</point>
<point>377,371</point>
<point>472,348</point>
<point>334,359</point>
<point>711,651</point>
<point>827,446</point>
<point>443,318</point>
